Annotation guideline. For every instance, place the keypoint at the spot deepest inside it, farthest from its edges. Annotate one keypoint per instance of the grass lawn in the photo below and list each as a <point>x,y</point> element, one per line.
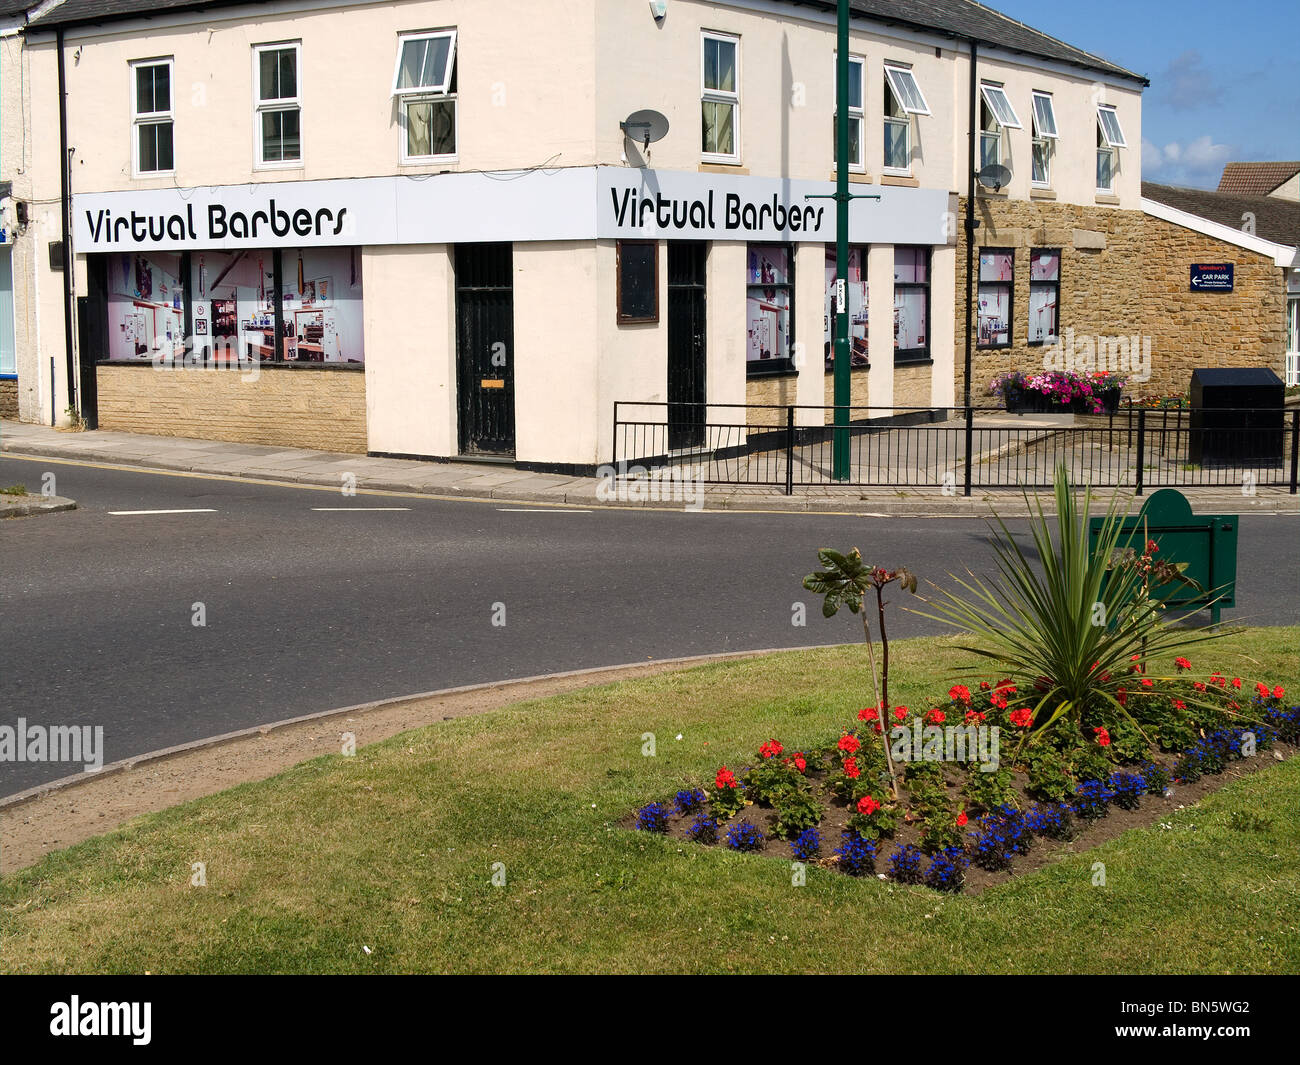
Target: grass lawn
<point>393,849</point>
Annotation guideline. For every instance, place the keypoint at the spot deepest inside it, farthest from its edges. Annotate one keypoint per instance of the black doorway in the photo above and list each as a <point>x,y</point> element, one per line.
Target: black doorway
<point>686,344</point>
<point>485,343</point>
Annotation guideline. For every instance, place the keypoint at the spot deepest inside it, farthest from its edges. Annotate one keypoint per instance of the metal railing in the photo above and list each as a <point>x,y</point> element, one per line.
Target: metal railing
<point>961,449</point>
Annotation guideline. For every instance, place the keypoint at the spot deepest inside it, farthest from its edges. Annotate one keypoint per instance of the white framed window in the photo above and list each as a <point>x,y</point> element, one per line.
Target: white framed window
<point>1044,134</point>
<point>990,137</point>
<point>1105,164</point>
<point>857,113</point>
<point>903,99</point>
<point>719,97</point>
<point>152,117</point>
<point>277,83</point>
<point>424,83</point>
<point>995,97</point>
<point>1108,120</point>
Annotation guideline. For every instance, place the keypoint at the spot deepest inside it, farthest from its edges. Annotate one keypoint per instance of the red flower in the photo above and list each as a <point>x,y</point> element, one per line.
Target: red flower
<point>800,763</point>
<point>1022,718</point>
<point>1000,701</point>
<point>867,805</point>
<point>770,749</point>
<point>973,716</point>
<point>725,779</point>
<point>959,693</point>
<point>1218,678</point>
<point>1182,663</point>
<point>1121,697</point>
<point>851,769</point>
<point>1152,547</point>
<point>1199,685</point>
<point>868,713</point>
<point>1278,692</point>
<point>1178,704</point>
<point>962,819</point>
<point>936,717</point>
<point>1147,682</point>
<point>1236,682</point>
<point>900,713</point>
<point>1262,688</point>
<point>1103,737</point>
<point>984,685</point>
<point>849,744</point>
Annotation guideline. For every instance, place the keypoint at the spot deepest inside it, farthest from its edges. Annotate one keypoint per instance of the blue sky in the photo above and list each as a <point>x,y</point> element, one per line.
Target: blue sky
<point>1225,83</point>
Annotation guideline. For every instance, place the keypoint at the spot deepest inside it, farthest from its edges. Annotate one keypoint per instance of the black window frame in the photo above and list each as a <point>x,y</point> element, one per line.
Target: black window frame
<point>620,315</point>
<point>786,365</point>
<point>1009,285</point>
<point>905,356</point>
<point>1054,285</point>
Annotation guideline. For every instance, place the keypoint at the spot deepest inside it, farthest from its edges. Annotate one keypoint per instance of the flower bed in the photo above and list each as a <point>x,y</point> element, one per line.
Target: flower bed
<point>956,825</point>
<point>1057,392</point>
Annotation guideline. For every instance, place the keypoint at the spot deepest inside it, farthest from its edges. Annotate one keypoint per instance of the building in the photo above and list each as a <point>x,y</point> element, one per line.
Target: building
<point>446,245</point>
<point>1280,180</point>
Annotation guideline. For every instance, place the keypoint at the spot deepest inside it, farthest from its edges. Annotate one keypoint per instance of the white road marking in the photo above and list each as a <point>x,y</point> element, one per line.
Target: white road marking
<point>196,510</point>
<point>334,510</point>
<point>540,510</point>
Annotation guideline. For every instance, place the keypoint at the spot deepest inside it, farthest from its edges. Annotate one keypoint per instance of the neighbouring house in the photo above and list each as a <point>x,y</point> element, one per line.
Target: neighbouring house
<point>1279,180</point>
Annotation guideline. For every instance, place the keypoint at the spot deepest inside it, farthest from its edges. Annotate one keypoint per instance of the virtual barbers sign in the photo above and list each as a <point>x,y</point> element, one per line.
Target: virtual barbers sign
<point>580,203</point>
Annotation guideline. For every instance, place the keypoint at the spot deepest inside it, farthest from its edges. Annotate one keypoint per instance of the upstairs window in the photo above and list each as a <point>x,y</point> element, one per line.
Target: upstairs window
<point>1110,138</point>
<point>856,115</point>
<point>903,98</point>
<point>279,104</point>
<point>1044,131</point>
<point>152,116</point>
<point>424,83</point>
<point>720,98</point>
<point>996,112</point>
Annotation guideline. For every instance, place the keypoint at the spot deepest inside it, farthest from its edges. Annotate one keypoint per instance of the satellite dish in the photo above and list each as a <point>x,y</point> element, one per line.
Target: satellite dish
<point>994,176</point>
<point>645,127</point>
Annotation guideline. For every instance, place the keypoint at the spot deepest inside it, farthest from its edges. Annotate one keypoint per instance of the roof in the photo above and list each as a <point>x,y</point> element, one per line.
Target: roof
<point>956,18</point>
<point>13,8</point>
<point>1275,220</point>
<point>1256,179</point>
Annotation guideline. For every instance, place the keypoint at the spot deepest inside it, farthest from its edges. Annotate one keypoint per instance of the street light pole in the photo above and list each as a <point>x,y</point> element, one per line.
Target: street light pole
<point>840,445</point>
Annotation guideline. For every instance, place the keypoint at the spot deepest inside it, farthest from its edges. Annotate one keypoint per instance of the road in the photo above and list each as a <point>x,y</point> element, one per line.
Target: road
<point>307,608</point>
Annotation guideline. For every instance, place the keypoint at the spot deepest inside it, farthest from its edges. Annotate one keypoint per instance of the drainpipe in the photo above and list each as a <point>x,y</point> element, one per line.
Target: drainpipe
<point>971,226</point>
<point>65,182</point>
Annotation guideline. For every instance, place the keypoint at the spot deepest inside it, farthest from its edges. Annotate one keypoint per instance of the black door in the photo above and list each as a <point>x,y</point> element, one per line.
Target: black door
<point>686,346</point>
<point>485,348</point>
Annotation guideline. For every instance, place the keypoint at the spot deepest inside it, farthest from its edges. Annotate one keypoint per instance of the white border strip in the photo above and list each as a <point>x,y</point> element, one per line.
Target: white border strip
<point>1281,254</point>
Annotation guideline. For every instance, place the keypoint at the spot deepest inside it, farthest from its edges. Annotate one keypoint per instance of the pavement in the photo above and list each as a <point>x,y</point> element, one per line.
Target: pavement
<point>463,480</point>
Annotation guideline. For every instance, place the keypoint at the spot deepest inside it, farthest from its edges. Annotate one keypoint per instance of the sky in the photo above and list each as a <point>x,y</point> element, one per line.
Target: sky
<point>1225,75</point>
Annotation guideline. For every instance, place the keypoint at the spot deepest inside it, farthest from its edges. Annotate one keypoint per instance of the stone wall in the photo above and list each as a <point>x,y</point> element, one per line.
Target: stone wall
<point>320,409</point>
<point>1125,274</point>
<point>8,399</point>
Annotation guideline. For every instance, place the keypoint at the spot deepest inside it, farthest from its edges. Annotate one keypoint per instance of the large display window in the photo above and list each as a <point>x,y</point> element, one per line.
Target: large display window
<point>857,304</point>
<point>996,286</point>
<point>301,305</point>
<point>911,304</point>
<point>769,277</point>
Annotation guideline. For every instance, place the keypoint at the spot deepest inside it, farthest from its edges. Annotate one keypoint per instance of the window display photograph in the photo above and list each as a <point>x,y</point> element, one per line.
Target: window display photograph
<point>995,298</point>
<point>322,305</point>
<point>769,302</point>
<point>856,299</point>
<point>232,305</point>
<point>146,306</point>
<point>911,302</point>
<point>1044,296</point>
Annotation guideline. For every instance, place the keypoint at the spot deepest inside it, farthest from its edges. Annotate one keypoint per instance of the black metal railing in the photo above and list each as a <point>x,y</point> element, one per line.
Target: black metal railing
<point>964,448</point>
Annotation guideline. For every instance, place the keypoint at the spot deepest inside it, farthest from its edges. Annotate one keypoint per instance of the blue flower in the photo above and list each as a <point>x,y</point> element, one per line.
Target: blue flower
<point>947,869</point>
<point>905,865</point>
<point>704,829</point>
<point>744,837</point>
<point>652,817</point>
<point>689,800</point>
<point>808,845</point>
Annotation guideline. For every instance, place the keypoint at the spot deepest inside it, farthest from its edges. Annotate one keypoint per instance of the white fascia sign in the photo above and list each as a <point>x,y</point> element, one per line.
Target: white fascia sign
<point>577,203</point>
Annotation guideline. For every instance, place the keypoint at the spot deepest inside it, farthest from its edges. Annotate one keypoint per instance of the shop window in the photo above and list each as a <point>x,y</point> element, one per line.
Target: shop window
<point>152,115</point>
<point>856,115</point>
<point>279,104</point>
<point>857,304</point>
<point>769,280</point>
<point>1044,138</point>
<point>638,281</point>
<point>1110,138</point>
<point>911,304</point>
<point>720,98</point>
<point>996,287</point>
<point>424,83</point>
<point>1044,295</point>
<point>903,98</point>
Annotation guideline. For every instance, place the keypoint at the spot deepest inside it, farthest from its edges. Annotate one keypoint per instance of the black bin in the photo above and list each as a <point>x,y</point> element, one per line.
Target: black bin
<point>1236,417</point>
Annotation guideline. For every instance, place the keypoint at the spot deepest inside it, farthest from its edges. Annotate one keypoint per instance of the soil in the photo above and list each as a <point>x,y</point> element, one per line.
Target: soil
<point>1087,833</point>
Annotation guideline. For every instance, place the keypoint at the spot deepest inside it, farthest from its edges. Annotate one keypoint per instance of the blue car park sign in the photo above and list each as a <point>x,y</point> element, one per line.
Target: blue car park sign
<point>1211,277</point>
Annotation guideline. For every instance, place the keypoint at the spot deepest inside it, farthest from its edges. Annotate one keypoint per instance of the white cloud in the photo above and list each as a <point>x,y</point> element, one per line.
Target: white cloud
<point>1197,162</point>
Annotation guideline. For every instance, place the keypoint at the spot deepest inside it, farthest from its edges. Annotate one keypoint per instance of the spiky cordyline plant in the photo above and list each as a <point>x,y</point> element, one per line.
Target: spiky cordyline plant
<point>1066,630</point>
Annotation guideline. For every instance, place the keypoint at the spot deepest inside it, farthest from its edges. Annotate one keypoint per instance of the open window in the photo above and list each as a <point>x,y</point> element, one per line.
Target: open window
<point>1044,134</point>
<point>1110,138</point>
<point>1111,130</point>
<point>995,96</point>
<point>903,99</point>
<point>424,83</point>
